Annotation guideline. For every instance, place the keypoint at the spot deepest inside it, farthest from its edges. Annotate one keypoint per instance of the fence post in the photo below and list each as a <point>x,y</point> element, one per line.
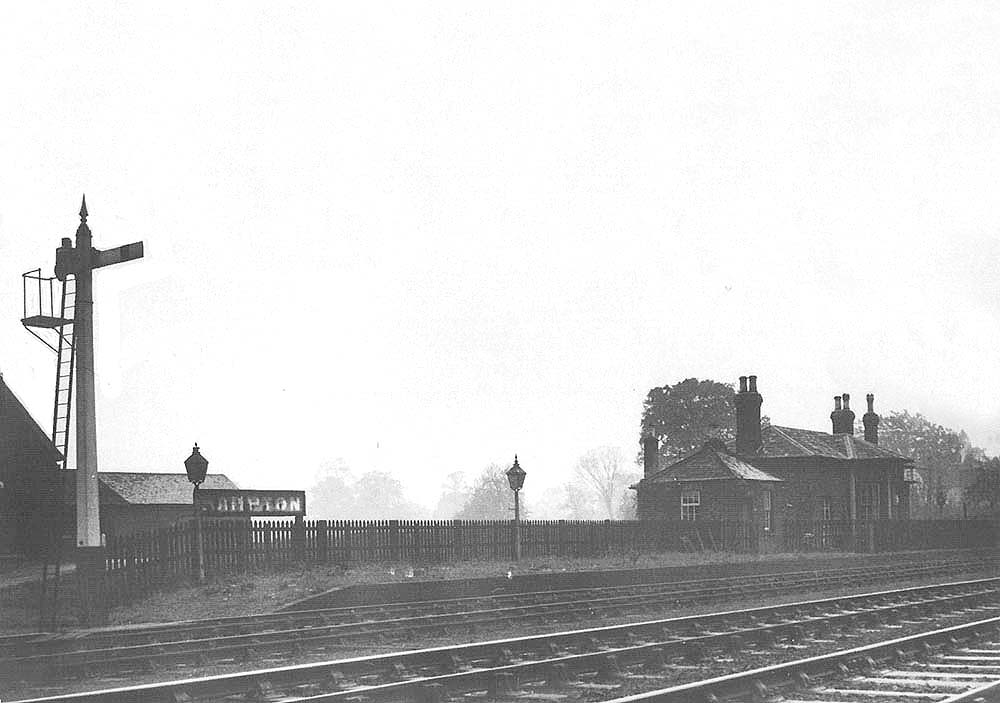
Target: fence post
<point>246,539</point>
<point>459,534</point>
<point>192,553</point>
<point>299,539</point>
<point>394,547</point>
<point>163,553</point>
<point>322,539</point>
<point>346,540</point>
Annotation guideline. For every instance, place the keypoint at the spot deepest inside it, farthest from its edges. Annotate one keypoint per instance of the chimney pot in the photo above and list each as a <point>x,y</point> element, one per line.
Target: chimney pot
<point>870,421</point>
<point>650,454</point>
<point>842,415</point>
<point>748,416</point>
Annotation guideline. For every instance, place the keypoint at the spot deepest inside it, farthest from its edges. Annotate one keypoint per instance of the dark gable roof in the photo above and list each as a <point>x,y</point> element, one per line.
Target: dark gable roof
<point>711,462</point>
<point>777,442</point>
<point>146,489</point>
<point>19,433</point>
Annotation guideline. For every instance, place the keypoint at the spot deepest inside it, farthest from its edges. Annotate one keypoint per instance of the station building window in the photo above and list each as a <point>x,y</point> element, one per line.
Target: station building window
<point>869,501</point>
<point>690,502</point>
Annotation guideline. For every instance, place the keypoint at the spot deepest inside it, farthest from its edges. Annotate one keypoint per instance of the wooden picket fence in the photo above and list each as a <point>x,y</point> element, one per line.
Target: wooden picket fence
<point>889,535</point>
<point>143,562</point>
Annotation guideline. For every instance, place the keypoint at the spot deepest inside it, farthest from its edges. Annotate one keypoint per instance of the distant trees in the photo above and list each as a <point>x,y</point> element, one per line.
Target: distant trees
<point>577,503</point>
<point>332,496</point>
<point>491,497</point>
<point>455,491</point>
<point>983,492</point>
<point>603,475</point>
<point>376,495</point>
<point>953,477</point>
<point>937,452</point>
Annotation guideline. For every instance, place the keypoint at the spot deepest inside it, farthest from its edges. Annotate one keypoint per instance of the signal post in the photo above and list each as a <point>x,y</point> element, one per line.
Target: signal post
<point>80,261</point>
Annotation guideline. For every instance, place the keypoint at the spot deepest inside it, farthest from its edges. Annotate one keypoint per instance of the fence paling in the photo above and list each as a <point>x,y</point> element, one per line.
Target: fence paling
<point>145,561</point>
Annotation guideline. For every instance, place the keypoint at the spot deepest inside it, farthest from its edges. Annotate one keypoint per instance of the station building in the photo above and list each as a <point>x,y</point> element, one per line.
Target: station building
<point>34,490</point>
<point>773,475</point>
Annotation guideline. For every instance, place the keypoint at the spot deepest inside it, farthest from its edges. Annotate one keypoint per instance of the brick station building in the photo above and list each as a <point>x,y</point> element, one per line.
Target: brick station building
<point>769,476</point>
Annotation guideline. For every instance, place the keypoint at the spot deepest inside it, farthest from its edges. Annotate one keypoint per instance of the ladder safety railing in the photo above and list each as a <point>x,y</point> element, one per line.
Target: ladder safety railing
<point>40,312</point>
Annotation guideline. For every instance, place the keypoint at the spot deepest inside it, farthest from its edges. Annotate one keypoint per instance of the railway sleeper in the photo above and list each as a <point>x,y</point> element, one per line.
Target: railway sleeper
<point>431,693</point>
<point>609,669</point>
<point>558,674</point>
<point>451,663</point>
<point>502,683</point>
<point>656,660</point>
<point>764,638</point>
<point>400,672</point>
<point>553,649</point>
<point>694,652</point>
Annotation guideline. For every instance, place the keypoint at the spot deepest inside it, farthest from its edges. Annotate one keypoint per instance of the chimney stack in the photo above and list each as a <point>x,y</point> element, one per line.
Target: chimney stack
<point>842,417</point>
<point>870,419</point>
<point>650,455</point>
<point>748,402</point>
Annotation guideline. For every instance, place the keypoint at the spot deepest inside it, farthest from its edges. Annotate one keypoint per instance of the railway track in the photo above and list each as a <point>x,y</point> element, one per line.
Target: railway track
<point>595,663</point>
<point>296,634</point>
<point>958,664</point>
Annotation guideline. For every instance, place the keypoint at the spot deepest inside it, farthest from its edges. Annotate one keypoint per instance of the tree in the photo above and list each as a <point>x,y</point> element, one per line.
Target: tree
<point>577,503</point>
<point>332,496</point>
<point>983,492</point>
<point>937,452</point>
<point>684,416</point>
<point>338,495</point>
<point>455,491</point>
<point>379,495</point>
<point>603,473</point>
<point>491,497</point>
<point>628,508</point>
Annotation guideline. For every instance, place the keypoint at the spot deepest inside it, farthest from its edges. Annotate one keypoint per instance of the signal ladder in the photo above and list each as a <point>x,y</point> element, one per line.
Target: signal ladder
<point>62,325</point>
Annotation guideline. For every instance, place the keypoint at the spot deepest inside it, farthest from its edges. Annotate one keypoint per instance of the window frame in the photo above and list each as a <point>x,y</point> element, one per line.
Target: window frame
<point>870,499</point>
<point>689,508</point>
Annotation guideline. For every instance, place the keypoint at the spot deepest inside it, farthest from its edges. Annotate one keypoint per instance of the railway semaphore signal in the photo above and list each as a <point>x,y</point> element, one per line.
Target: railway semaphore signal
<point>75,325</point>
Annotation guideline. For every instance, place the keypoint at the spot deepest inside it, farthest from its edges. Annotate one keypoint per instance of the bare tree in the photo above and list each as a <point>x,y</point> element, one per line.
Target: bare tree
<point>606,475</point>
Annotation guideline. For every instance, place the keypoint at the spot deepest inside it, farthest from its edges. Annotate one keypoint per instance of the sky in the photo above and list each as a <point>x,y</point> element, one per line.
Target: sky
<point>423,237</point>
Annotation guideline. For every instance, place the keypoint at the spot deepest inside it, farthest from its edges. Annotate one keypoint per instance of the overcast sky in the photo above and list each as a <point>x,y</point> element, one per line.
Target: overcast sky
<point>426,236</point>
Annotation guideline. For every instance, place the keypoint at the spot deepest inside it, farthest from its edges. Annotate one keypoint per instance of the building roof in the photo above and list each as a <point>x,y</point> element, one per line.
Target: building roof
<point>146,489</point>
<point>159,488</point>
<point>19,433</point>
<point>712,462</point>
<point>777,441</point>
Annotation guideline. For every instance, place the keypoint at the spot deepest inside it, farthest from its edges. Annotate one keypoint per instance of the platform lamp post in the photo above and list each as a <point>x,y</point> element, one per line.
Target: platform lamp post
<point>515,477</point>
<point>196,467</point>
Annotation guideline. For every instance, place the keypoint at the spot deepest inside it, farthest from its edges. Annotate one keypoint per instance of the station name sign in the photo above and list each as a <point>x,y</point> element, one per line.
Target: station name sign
<point>222,501</point>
